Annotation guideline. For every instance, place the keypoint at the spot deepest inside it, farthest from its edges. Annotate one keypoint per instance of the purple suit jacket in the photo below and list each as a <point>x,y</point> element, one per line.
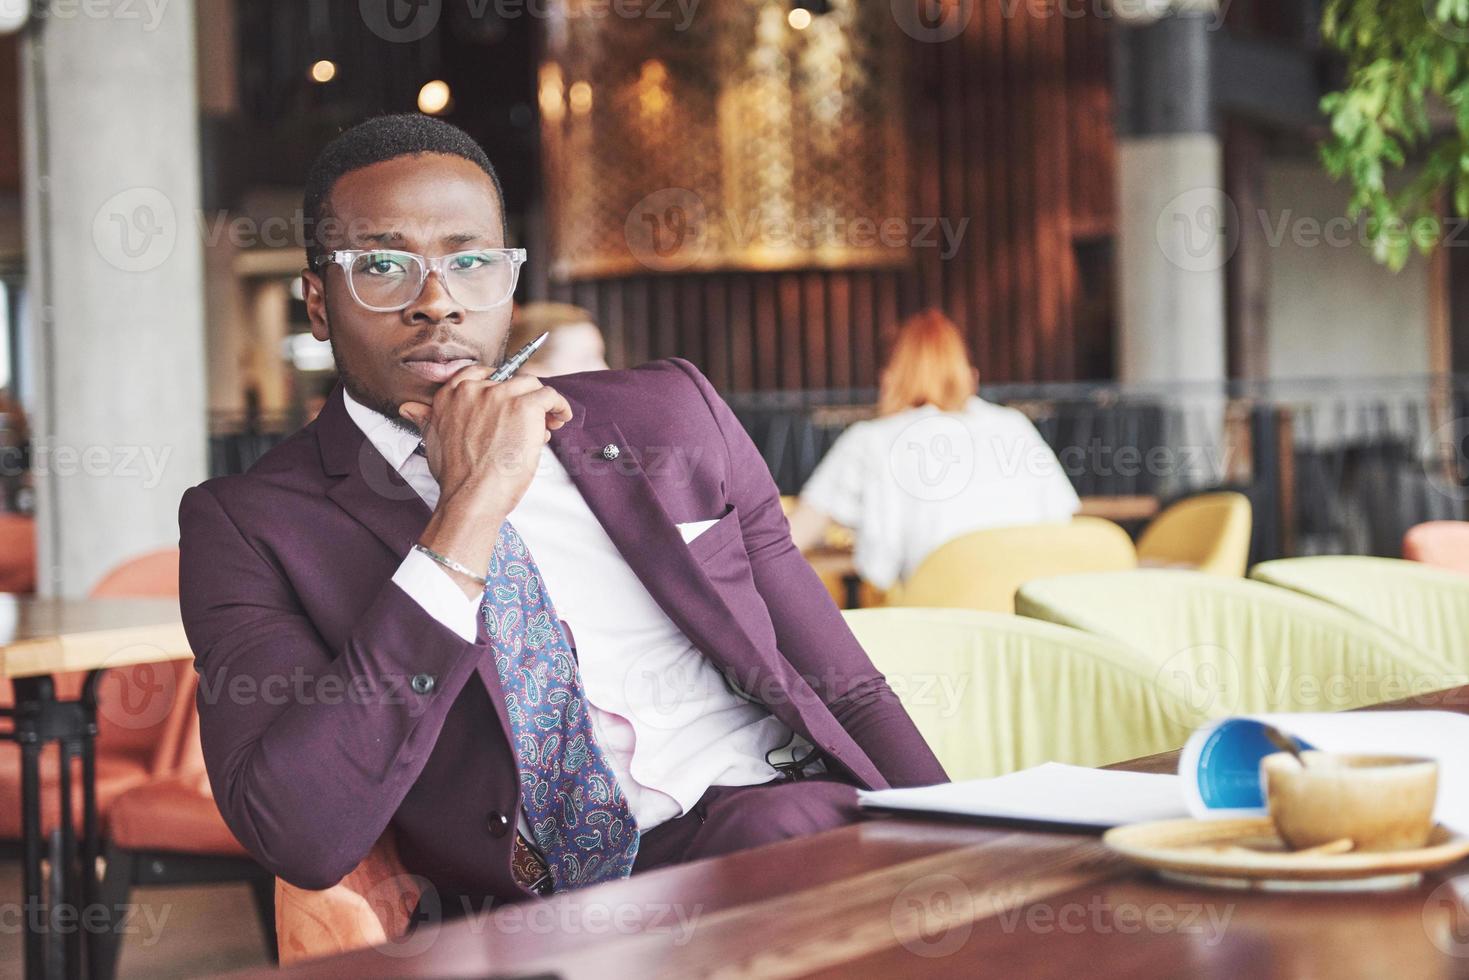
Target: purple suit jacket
<point>332,705</point>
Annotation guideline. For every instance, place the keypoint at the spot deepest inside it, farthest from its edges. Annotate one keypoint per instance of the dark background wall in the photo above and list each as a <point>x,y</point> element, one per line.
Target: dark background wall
<point>1010,128</point>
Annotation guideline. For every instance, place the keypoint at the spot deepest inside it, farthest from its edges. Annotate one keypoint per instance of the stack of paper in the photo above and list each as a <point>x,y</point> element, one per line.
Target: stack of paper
<point>1052,793</point>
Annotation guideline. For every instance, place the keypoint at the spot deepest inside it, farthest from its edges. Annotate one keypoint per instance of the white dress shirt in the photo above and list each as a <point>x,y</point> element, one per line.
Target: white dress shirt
<point>663,715</point>
<point>910,482</point>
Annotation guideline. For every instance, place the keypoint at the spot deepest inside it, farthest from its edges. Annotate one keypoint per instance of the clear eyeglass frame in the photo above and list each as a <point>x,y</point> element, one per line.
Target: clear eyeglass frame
<point>427,265</point>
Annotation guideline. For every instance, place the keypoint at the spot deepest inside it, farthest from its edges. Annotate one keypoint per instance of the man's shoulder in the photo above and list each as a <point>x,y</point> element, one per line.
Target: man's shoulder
<point>664,403</point>
<point>669,376</point>
<point>291,466</point>
<point>653,391</point>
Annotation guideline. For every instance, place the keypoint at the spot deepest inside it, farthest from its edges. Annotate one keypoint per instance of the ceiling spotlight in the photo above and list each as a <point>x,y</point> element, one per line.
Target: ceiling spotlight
<point>799,18</point>
<point>580,97</point>
<point>433,98</point>
<point>323,71</point>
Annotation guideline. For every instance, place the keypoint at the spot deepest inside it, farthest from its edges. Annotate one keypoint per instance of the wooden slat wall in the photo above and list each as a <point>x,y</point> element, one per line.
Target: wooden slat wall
<point>1011,128</point>
<point>10,113</point>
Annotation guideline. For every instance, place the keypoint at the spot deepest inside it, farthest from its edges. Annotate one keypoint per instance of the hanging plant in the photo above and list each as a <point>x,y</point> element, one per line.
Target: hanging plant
<point>1406,97</point>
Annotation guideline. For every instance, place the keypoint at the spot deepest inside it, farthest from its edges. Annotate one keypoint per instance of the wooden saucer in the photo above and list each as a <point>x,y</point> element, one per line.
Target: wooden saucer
<point>1247,853</point>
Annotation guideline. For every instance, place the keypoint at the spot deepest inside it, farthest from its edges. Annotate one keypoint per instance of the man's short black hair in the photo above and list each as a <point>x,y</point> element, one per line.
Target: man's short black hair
<point>373,141</point>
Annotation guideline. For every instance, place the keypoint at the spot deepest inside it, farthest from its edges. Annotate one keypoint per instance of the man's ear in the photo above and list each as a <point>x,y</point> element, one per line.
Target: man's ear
<point>313,291</point>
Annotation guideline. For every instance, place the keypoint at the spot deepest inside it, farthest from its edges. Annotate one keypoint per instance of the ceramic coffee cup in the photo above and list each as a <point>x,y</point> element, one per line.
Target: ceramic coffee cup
<point>1379,802</point>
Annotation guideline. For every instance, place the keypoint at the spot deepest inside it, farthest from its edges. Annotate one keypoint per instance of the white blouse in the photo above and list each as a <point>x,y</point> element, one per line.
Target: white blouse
<point>910,482</point>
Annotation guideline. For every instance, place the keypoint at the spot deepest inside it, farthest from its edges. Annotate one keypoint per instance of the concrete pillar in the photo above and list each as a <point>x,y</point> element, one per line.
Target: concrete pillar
<point>1174,220</point>
<point>111,177</point>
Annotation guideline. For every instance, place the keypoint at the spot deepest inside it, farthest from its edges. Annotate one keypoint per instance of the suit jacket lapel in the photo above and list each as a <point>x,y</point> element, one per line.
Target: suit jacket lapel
<point>623,500</point>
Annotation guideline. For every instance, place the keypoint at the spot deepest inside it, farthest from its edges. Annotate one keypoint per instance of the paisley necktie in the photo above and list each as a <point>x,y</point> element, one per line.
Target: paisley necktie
<point>579,817</point>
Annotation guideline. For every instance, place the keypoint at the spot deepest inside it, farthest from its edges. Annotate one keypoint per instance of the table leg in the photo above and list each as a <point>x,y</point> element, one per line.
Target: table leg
<point>30,835</point>
<point>91,846</point>
<point>70,932</point>
<point>56,888</point>
<point>53,916</point>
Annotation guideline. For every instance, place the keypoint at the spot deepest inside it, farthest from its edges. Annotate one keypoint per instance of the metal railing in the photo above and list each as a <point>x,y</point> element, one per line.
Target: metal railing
<point>1331,466</point>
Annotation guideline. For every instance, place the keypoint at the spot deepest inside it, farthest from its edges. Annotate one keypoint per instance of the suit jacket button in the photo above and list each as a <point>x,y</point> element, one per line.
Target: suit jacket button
<point>422,683</point>
<point>498,824</point>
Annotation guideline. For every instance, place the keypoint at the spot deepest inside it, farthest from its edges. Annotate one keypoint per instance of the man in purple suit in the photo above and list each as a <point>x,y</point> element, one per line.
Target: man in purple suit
<point>549,635</point>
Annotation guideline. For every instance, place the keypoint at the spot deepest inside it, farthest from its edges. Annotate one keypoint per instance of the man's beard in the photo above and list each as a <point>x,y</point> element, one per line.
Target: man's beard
<point>367,397</point>
<point>378,403</point>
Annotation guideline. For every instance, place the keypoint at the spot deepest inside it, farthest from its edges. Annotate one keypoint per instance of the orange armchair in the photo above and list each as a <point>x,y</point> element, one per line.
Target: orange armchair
<point>1443,544</point>
<point>138,738</point>
<point>167,830</point>
<point>372,905</point>
<point>17,553</point>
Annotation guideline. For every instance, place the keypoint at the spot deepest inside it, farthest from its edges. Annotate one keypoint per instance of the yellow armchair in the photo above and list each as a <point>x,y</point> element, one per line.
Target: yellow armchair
<point>1229,645</point>
<point>1426,606</point>
<point>982,570</point>
<point>993,693</point>
<point>1207,533</point>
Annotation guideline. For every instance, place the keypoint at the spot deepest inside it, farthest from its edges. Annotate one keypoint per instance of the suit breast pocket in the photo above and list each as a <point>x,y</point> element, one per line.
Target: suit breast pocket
<point>716,538</point>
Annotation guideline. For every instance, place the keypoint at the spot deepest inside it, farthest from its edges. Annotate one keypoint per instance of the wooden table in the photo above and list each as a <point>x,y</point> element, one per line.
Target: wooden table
<point>917,898</point>
<point>51,636</point>
<point>40,638</point>
<point>1121,509</point>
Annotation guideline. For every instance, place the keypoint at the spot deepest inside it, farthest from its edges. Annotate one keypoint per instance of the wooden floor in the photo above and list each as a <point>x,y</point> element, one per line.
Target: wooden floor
<point>178,932</point>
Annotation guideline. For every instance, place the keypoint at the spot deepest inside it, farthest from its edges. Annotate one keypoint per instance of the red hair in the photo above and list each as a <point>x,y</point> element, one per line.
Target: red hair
<point>929,365</point>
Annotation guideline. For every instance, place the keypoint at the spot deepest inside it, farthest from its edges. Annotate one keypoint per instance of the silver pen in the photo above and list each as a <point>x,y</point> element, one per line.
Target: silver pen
<point>515,361</point>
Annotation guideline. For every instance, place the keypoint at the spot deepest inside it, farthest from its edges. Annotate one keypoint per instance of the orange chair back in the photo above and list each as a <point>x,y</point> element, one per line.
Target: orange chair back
<point>374,904</point>
<point>17,553</point>
<point>153,574</point>
<point>1443,544</point>
<point>17,574</point>
<point>144,710</point>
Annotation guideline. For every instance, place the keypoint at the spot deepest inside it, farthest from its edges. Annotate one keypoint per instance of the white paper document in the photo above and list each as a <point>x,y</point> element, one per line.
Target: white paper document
<point>1050,793</point>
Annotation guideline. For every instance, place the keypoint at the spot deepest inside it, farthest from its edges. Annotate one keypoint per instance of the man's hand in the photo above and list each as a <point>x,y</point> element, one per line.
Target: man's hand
<point>483,441</point>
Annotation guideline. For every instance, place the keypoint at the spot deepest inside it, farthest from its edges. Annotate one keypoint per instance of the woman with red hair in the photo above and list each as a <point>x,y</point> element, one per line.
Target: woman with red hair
<point>937,463</point>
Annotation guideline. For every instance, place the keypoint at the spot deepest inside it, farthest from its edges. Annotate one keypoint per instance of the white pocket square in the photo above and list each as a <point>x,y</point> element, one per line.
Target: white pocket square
<point>693,529</point>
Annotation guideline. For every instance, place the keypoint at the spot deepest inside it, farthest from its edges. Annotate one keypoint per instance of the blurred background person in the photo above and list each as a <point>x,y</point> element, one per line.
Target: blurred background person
<point>937,463</point>
<point>575,343</point>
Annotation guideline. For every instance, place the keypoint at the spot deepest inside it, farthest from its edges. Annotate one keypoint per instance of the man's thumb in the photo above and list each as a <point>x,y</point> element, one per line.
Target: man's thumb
<point>415,412</point>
